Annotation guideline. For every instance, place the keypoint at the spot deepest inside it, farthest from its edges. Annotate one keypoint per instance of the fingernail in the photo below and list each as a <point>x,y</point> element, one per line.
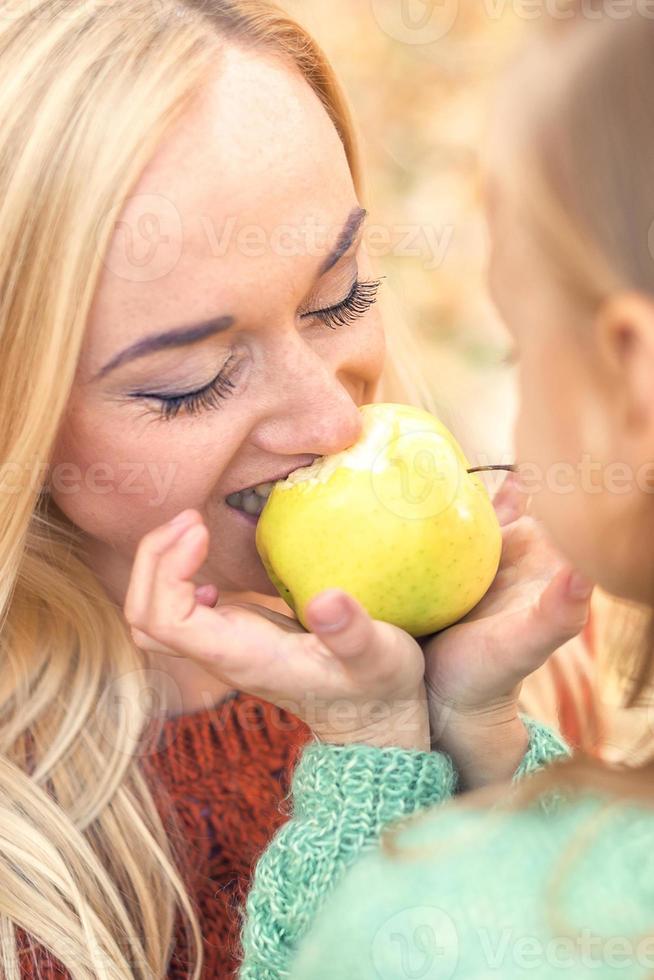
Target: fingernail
<point>332,613</point>
<point>579,587</point>
<point>181,518</point>
<point>510,483</point>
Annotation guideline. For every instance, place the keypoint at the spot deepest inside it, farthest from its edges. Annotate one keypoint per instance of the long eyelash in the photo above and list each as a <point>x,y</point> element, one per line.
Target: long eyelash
<point>207,397</point>
<point>361,297</point>
<point>197,401</point>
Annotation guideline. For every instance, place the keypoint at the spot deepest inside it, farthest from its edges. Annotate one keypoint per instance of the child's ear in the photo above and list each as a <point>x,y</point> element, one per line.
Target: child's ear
<point>624,331</point>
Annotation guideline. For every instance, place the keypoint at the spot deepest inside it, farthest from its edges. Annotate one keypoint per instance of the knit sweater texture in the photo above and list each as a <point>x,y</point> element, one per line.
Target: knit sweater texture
<point>563,887</point>
<point>323,886</point>
<point>222,782</point>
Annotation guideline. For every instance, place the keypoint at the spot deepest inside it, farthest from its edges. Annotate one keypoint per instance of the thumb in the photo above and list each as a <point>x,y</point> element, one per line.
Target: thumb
<point>560,613</point>
<point>564,606</point>
<point>341,623</point>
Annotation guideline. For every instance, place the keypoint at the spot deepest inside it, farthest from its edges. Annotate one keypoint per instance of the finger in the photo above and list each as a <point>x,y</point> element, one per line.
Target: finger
<point>173,591</point>
<point>562,610</point>
<point>145,642</point>
<point>509,501</point>
<point>150,548</point>
<point>560,613</point>
<point>567,601</point>
<point>206,594</point>
<point>175,621</point>
<point>231,641</point>
<point>342,624</point>
<point>288,623</point>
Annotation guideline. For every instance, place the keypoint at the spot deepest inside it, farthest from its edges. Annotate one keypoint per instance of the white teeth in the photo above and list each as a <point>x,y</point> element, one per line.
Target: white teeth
<point>252,501</point>
<point>253,504</point>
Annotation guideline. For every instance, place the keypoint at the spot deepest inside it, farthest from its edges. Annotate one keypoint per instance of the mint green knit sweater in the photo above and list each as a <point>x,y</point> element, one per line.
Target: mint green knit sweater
<point>469,895</point>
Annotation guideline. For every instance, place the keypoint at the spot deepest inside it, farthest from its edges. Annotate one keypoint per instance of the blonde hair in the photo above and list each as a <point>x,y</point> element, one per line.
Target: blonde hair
<point>87,868</point>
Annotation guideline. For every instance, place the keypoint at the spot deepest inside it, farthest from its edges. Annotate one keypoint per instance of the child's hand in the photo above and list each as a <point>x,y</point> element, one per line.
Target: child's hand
<point>474,669</point>
<point>362,682</point>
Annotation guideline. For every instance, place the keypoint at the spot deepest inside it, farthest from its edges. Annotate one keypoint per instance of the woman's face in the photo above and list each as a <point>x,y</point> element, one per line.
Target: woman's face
<point>243,228</point>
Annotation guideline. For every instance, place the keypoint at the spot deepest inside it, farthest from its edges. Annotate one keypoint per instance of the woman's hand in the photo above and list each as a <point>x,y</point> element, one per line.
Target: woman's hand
<point>474,669</point>
<point>352,679</point>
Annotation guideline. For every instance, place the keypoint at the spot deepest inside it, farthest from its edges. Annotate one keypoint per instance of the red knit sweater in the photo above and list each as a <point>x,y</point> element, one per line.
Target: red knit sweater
<point>226,771</point>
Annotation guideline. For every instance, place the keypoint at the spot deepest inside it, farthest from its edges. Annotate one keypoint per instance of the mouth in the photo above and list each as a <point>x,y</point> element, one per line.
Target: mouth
<point>252,500</point>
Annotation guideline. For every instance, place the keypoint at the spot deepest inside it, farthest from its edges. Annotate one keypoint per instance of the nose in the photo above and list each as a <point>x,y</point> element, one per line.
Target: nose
<point>311,406</point>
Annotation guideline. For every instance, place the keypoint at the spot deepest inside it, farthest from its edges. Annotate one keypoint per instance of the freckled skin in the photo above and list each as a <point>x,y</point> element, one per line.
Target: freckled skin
<point>418,553</point>
<point>256,150</point>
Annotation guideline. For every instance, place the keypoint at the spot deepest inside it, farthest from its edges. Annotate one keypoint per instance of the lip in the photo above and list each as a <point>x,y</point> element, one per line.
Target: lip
<point>244,518</point>
<point>275,477</point>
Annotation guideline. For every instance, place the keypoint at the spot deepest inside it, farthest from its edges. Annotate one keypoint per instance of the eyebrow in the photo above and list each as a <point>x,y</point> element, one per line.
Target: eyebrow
<point>179,337</point>
<point>182,336</point>
<point>345,239</point>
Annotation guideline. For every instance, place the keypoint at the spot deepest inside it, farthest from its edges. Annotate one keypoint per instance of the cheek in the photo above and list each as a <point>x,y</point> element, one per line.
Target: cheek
<point>535,430</point>
<point>555,398</point>
<point>556,469</point>
<point>357,356</point>
<point>374,350</point>
<point>116,480</point>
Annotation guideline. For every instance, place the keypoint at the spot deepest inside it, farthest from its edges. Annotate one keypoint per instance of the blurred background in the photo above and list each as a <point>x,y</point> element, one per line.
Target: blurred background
<point>419,75</point>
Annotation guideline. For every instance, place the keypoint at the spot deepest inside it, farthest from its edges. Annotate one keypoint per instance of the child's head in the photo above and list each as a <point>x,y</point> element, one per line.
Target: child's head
<point>570,203</point>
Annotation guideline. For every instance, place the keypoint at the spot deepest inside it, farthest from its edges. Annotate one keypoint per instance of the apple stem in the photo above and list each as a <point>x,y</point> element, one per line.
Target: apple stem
<point>483,469</point>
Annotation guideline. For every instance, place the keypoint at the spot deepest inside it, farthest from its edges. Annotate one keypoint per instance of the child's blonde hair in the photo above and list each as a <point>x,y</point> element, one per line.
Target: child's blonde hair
<point>87,91</point>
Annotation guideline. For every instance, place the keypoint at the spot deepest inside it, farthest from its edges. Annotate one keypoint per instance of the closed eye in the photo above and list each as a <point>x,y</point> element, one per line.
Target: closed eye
<point>362,296</point>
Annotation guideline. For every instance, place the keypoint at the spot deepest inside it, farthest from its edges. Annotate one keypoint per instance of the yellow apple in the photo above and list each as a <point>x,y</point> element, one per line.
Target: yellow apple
<point>396,521</point>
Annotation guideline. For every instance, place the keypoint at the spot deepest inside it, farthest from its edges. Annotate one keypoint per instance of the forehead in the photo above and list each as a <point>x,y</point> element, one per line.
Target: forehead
<point>247,189</point>
<point>256,132</point>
